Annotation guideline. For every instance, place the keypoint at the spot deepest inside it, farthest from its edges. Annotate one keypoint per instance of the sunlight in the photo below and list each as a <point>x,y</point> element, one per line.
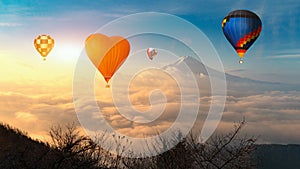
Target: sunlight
<point>67,52</point>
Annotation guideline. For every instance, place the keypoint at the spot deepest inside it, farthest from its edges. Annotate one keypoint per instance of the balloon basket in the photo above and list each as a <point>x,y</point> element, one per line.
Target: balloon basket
<point>107,86</point>
<point>241,61</point>
<point>44,59</point>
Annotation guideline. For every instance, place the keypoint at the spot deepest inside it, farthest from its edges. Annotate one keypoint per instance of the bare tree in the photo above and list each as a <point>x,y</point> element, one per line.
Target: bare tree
<point>219,152</point>
<point>74,150</point>
<point>224,151</point>
<point>70,149</point>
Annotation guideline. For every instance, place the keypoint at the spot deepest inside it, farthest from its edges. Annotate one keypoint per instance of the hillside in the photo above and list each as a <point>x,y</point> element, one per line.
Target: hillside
<point>19,151</point>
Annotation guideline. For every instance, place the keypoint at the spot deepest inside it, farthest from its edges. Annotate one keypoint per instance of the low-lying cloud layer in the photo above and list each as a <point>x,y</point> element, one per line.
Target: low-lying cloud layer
<point>273,115</point>
<point>36,113</point>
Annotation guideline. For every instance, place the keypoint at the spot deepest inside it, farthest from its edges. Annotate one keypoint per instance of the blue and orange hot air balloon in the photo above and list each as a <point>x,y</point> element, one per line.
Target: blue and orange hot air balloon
<point>241,28</point>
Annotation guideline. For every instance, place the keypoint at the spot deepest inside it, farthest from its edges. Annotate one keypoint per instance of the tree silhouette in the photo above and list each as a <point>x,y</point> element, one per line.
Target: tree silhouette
<point>70,149</point>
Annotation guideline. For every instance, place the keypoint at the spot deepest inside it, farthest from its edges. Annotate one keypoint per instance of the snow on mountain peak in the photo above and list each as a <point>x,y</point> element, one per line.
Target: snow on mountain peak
<point>194,65</point>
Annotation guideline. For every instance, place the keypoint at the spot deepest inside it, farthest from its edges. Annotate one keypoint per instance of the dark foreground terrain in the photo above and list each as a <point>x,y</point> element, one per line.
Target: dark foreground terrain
<point>20,151</point>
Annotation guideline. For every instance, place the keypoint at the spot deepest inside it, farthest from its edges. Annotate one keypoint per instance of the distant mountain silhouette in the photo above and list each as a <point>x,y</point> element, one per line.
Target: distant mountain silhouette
<point>274,156</point>
<point>235,84</point>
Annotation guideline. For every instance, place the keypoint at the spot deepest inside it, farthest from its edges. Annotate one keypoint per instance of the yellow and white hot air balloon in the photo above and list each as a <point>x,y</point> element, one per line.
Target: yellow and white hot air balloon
<point>44,44</point>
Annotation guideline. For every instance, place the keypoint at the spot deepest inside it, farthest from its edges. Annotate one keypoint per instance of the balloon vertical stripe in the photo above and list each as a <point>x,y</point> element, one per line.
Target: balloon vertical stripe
<point>107,53</point>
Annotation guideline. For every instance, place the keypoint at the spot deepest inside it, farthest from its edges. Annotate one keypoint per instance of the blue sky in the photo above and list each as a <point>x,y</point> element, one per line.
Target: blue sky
<point>44,89</point>
<point>275,56</point>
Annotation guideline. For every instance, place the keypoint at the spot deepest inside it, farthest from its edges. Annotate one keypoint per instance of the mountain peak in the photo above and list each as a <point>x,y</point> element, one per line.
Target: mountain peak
<point>187,59</point>
<point>195,66</point>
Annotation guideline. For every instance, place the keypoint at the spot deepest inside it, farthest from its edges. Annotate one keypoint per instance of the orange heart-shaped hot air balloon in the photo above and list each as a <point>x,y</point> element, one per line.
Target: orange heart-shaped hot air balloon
<point>107,53</point>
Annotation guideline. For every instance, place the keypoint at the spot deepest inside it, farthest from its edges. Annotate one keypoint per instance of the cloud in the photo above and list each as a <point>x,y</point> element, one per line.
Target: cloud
<point>26,117</point>
<point>44,106</point>
<point>153,96</point>
<point>9,24</point>
<point>264,104</point>
<point>270,115</point>
<point>36,113</point>
<point>285,56</point>
<point>235,70</point>
<point>273,116</point>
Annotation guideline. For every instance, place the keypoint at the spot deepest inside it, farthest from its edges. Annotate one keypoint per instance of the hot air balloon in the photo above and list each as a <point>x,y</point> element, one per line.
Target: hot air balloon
<point>44,44</point>
<point>151,52</point>
<point>241,28</point>
<point>107,53</point>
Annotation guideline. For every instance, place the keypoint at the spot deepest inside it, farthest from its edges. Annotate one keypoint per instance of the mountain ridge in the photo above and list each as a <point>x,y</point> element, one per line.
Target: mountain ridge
<point>234,83</point>
<point>197,67</point>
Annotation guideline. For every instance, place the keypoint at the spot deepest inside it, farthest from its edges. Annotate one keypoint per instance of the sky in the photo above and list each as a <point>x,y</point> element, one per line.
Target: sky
<point>39,92</point>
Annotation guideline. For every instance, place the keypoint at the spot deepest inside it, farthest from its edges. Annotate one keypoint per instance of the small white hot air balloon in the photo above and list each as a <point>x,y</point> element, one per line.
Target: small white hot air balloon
<point>151,52</point>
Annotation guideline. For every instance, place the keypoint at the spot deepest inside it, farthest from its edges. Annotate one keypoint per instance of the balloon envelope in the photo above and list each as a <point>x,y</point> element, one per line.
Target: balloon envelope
<point>107,53</point>
<point>151,52</point>
<point>44,44</point>
<point>241,28</point>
